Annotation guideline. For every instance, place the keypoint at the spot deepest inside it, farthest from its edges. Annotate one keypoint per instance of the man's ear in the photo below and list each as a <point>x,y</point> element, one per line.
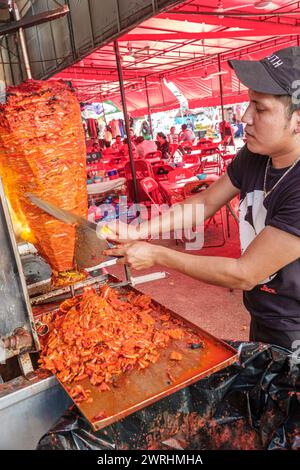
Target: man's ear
<point>297,123</point>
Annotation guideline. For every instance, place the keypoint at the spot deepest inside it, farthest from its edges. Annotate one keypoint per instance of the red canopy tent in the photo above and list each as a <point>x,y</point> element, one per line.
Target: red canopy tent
<point>185,45</point>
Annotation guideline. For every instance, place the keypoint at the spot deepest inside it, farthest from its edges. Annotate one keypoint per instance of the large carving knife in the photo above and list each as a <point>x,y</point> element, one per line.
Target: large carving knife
<point>89,245</point>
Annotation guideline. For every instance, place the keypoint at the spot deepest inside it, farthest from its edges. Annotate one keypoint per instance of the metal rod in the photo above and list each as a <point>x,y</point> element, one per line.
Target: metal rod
<point>53,40</point>
<point>39,45</point>
<point>17,17</point>
<point>91,24</point>
<point>239,15</point>
<point>148,106</point>
<point>118,15</point>
<point>3,63</point>
<point>10,62</point>
<point>20,62</point>
<point>66,290</point>
<point>221,94</point>
<point>127,126</point>
<point>71,31</point>
<point>14,26</point>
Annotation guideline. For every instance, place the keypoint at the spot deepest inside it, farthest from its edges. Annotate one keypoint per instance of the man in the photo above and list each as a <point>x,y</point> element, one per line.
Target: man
<point>266,174</point>
<point>190,124</point>
<point>173,137</point>
<point>143,147</point>
<point>186,135</point>
<point>163,145</point>
<point>118,144</point>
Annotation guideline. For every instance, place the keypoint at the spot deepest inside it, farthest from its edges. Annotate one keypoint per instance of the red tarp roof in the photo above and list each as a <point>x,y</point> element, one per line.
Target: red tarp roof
<point>182,45</point>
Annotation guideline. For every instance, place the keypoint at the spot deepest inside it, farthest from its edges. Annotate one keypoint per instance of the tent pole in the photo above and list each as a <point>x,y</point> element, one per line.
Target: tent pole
<point>148,106</point>
<point>127,126</point>
<point>17,17</point>
<point>221,94</point>
<point>104,115</point>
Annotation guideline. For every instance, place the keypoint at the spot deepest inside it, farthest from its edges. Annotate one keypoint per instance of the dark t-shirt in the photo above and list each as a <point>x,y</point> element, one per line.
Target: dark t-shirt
<point>275,302</point>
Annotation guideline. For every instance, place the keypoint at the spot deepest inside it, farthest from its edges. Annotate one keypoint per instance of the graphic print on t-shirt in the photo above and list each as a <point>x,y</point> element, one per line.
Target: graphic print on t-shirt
<point>252,220</point>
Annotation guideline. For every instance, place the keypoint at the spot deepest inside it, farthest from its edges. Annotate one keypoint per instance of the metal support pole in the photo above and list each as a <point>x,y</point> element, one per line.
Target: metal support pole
<point>71,31</point>
<point>104,115</point>
<point>127,126</point>
<point>118,15</point>
<point>91,24</point>
<point>53,39</point>
<point>221,94</point>
<point>2,61</point>
<point>10,61</point>
<point>148,106</point>
<point>17,16</point>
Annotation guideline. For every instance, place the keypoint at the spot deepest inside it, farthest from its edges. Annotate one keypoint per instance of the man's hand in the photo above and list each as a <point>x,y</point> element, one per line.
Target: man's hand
<point>138,255</point>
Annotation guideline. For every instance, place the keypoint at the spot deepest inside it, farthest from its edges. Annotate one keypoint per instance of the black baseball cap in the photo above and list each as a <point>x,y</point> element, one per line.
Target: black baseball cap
<point>274,74</point>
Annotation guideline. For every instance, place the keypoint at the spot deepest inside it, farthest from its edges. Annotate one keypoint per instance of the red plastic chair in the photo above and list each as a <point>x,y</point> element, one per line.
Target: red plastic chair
<point>189,190</point>
<point>194,160</point>
<point>161,171</point>
<point>180,174</point>
<point>143,169</point>
<point>153,155</point>
<point>151,188</point>
<point>173,148</point>
<point>226,159</point>
<point>187,144</point>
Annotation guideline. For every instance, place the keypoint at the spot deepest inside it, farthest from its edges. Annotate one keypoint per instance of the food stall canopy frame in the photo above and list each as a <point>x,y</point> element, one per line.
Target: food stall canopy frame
<point>183,45</point>
<point>159,40</point>
<point>57,44</point>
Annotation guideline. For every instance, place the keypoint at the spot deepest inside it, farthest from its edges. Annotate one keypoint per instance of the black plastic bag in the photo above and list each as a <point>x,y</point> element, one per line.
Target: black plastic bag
<point>253,404</point>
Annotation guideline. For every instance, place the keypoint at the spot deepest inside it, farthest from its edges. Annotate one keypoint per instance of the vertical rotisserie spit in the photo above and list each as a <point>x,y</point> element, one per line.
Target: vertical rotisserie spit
<point>42,151</point>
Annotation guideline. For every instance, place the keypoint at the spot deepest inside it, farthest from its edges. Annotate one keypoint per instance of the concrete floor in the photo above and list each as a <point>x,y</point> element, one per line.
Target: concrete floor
<point>214,309</point>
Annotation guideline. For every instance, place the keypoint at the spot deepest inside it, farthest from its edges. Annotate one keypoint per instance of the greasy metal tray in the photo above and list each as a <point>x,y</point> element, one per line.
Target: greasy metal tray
<point>139,388</point>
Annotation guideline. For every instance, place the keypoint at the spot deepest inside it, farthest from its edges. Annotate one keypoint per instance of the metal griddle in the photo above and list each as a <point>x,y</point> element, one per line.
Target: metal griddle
<point>139,388</point>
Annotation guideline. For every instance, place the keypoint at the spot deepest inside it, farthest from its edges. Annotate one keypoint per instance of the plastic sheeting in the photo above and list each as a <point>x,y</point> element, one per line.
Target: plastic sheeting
<point>251,405</point>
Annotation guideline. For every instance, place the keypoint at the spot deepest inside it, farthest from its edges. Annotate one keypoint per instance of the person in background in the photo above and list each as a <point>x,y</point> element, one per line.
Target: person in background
<point>118,144</point>
<point>132,136</point>
<point>239,129</point>
<point>95,147</point>
<point>190,124</point>
<point>173,137</point>
<point>144,146</point>
<point>163,145</point>
<point>145,130</point>
<point>186,135</point>
<point>124,150</point>
<point>107,135</point>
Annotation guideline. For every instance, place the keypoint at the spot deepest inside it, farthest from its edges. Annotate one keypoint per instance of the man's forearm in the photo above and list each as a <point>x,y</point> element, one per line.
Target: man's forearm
<point>225,272</point>
<point>185,214</point>
<point>205,204</point>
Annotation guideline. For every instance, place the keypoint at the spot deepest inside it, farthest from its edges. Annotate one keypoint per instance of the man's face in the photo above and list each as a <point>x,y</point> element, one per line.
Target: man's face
<point>118,140</point>
<point>268,129</point>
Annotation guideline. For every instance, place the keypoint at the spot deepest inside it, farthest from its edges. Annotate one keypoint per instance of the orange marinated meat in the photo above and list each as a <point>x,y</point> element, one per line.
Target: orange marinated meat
<point>101,336</point>
<point>176,356</point>
<point>42,151</point>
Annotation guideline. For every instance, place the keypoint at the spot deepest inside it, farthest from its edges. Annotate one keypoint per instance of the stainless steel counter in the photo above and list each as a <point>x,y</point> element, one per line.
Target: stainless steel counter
<point>28,409</point>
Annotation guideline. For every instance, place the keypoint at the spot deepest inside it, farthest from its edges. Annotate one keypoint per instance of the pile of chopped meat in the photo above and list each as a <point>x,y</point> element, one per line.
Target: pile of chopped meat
<point>100,336</point>
<point>42,151</point>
